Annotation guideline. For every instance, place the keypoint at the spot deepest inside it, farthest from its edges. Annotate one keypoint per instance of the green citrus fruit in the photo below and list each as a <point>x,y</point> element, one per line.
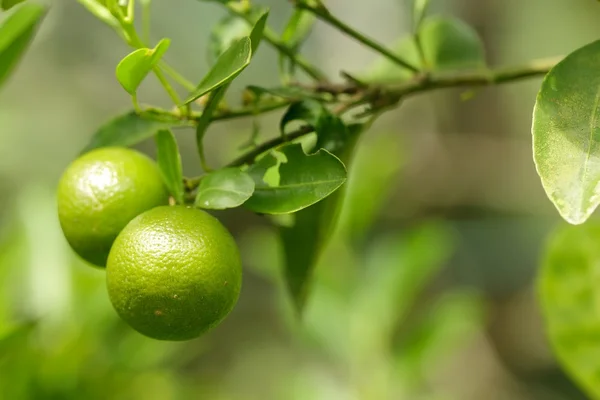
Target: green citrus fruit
<point>100,192</point>
<point>174,273</point>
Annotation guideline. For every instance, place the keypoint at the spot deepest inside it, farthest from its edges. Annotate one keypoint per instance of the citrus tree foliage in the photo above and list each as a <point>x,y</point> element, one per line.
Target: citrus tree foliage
<point>301,173</point>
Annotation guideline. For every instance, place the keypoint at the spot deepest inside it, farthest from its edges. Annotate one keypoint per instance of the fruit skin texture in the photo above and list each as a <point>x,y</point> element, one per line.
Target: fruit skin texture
<point>174,273</point>
<point>100,192</point>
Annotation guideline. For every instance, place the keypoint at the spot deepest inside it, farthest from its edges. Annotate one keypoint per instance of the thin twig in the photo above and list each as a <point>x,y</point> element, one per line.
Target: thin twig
<point>324,15</point>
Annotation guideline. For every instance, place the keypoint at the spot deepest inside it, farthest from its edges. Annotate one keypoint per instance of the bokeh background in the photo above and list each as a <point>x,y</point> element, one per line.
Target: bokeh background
<point>427,290</point>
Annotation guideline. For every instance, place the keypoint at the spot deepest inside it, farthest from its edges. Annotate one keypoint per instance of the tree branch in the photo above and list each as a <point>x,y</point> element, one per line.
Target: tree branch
<point>380,97</point>
<point>431,82</point>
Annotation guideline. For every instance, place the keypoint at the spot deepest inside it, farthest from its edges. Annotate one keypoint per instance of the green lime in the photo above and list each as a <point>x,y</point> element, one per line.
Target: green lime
<point>100,192</point>
<point>174,273</point>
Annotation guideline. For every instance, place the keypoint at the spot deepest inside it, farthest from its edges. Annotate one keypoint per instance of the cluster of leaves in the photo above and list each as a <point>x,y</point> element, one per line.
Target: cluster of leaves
<point>282,176</point>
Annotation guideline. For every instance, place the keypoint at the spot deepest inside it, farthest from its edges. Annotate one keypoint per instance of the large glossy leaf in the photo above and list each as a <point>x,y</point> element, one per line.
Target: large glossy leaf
<point>305,241</point>
<point>566,134</point>
<point>132,69</point>
<point>16,32</point>
<point>568,287</point>
<point>449,43</point>
<point>169,162</point>
<point>129,129</point>
<point>225,188</point>
<point>303,180</point>
<point>227,67</point>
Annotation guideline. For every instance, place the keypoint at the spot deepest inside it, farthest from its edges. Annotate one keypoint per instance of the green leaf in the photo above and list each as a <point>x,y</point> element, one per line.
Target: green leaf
<point>8,4</point>
<point>449,43</point>
<point>227,67</point>
<point>257,31</point>
<point>16,32</point>
<point>225,188</point>
<point>224,34</point>
<point>566,134</point>
<point>419,10</point>
<point>233,28</point>
<point>305,241</point>
<point>129,129</point>
<point>569,296</point>
<point>132,69</point>
<point>218,94</point>
<point>169,162</point>
<point>331,130</point>
<point>303,180</point>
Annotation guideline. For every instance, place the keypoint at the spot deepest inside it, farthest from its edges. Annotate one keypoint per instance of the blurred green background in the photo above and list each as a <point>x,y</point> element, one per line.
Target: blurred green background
<point>427,290</point>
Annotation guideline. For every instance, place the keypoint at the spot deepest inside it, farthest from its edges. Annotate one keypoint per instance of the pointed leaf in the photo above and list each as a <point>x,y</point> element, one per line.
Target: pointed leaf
<point>132,69</point>
<point>419,10</point>
<point>129,129</point>
<point>303,181</point>
<point>568,288</point>
<point>449,43</point>
<point>16,32</point>
<point>169,162</point>
<point>304,242</point>
<point>257,31</point>
<point>227,67</point>
<point>224,33</point>
<point>225,188</point>
<point>566,134</point>
<point>233,28</point>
